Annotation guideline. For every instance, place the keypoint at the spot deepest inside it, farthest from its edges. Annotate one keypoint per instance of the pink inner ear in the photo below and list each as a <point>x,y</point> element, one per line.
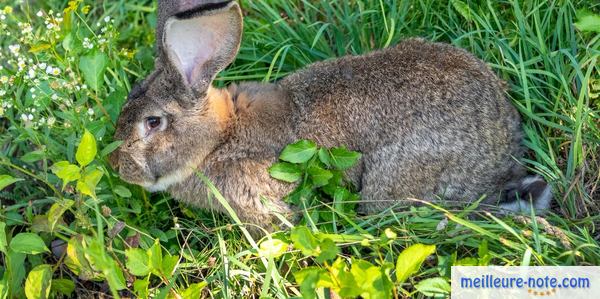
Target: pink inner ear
<point>190,43</point>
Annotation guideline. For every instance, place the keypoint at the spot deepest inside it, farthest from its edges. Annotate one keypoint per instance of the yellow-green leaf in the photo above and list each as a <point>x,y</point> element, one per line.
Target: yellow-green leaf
<point>39,282</point>
<point>194,291</point>
<point>272,248</point>
<point>39,47</point>
<point>57,210</point>
<point>410,260</point>
<point>6,180</point>
<point>86,151</point>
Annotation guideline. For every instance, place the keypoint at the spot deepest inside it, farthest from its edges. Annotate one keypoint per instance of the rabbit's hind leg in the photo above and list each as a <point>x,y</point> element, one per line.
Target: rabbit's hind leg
<point>394,177</point>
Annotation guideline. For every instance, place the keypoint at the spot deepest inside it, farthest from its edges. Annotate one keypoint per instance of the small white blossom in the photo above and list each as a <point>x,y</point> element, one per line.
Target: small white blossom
<point>39,13</point>
<point>51,121</point>
<point>21,65</point>
<point>90,111</point>
<point>14,49</point>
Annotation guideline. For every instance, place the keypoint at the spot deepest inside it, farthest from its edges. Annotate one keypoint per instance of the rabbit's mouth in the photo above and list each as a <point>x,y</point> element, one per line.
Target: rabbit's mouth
<point>164,182</point>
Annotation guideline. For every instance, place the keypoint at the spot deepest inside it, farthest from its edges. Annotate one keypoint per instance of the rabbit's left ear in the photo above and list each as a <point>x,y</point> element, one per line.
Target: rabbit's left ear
<point>200,42</point>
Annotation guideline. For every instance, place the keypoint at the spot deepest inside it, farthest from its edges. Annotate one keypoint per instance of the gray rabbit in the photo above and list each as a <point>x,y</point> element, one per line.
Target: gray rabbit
<point>431,120</point>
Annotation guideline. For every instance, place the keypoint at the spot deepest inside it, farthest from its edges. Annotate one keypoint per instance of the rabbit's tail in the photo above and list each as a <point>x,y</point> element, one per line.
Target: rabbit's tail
<point>530,192</point>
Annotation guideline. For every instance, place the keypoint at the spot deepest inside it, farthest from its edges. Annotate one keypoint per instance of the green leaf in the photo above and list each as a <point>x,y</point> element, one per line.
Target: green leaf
<point>87,185</point>
<point>103,262</point>
<point>66,171</point>
<point>33,156</point>
<point>86,151</point>
<point>436,287</point>
<point>299,152</point>
<point>286,172</point>
<point>347,287</point>
<point>38,283</point>
<point>63,286</point>
<point>324,157</point>
<point>272,248</point>
<point>138,262</point>
<point>373,280</point>
<point>140,286</point>
<point>587,21</point>
<point>155,257</point>
<point>410,260</point>
<point>328,250</point>
<point>122,191</point>
<point>194,290</point>
<point>342,159</point>
<point>57,210</point>
<point>110,148</point>
<point>319,176</point>
<point>92,67</point>
<point>463,9</point>
<point>6,180</point>
<point>15,272</point>
<point>28,243</point>
<point>4,287</point>
<point>3,243</point>
<point>304,240</point>
<point>310,279</point>
<point>169,262</point>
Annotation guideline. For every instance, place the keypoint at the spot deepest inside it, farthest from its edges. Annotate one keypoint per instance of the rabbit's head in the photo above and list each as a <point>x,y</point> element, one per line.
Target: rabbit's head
<point>174,118</point>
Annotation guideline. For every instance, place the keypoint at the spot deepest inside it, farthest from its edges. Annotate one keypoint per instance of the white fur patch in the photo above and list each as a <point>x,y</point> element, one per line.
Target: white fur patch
<point>539,204</point>
<point>166,181</point>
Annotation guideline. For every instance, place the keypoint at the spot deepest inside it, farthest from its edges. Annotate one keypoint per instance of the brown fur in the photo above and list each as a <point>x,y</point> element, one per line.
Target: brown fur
<point>431,121</point>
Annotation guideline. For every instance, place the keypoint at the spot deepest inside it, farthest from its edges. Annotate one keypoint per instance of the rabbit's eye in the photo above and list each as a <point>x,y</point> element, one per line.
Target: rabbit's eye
<point>152,122</point>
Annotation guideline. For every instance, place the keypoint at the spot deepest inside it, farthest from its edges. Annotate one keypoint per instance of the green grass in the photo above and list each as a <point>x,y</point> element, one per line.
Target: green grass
<point>551,67</point>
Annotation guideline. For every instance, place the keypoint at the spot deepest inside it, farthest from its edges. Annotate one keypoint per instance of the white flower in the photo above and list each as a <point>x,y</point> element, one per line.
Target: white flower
<point>42,65</point>
<point>2,92</point>
<point>32,89</point>
<point>4,79</point>
<point>50,26</point>
<point>23,117</point>
<point>14,49</point>
<point>90,111</point>
<point>56,71</point>
<point>51,120</point>
<point>39,13</point>
<point>21,64</point>
<point>49,70</point>
<point>107,19</point>
<point>54,97</point>
<point>31,73</point>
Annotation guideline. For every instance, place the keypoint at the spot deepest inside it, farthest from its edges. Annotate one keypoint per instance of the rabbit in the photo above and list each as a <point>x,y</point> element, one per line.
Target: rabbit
<point>431,121</point>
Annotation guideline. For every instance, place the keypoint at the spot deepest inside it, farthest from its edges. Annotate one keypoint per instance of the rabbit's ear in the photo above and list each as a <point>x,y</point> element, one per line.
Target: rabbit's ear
<point>202,41</point>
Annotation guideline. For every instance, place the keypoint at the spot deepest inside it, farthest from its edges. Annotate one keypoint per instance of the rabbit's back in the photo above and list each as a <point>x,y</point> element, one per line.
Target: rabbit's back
<point>419,105</point>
